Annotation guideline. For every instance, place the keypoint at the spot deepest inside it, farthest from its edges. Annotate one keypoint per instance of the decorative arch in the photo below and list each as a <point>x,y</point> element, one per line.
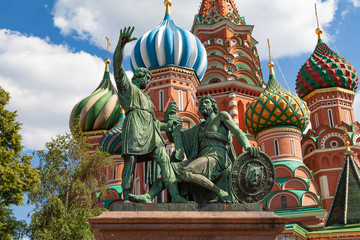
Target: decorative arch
<point>302,172</point>
<point>245,63</point>
<point>313,187</point>
<point>331,135</point>
<point>276,187</point>
<point>356,138</point>
<point>295,184</point>
<point>252,79</point>
<point>325,162</point>
<point>308,145</point>
<point>309,199</point>
<point>213,73</point>
<point>110,194</point>
<point>220,50</point>
<point>283,171</point>
<point>215,64</point>
<point>215,58</point>
<point>247,51</point>
<point>274,202</point>
<point>214,80</point>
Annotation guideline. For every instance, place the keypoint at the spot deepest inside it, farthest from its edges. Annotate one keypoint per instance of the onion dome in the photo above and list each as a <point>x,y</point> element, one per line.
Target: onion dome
<point>100,110</point>
<point>111,141</point>
<point>276,107</point>
<point>167,45</point>
<point>325,69</point>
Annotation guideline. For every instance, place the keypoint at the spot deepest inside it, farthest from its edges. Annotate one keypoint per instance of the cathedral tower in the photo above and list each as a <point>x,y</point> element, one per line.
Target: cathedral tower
<point>327,82</point>
<point>233,76</point>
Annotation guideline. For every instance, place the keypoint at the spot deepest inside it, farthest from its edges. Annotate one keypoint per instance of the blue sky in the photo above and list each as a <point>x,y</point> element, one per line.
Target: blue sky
<point>51,52</point>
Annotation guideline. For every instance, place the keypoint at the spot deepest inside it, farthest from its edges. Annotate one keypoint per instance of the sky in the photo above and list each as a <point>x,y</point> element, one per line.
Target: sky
<point>52,51</point>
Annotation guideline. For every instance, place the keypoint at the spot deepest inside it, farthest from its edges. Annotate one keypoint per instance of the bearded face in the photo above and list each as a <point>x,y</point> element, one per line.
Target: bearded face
<point>206,108</point>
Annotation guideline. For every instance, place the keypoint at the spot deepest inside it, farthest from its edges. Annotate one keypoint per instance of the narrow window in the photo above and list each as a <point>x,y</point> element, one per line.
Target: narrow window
<point>347,116</point>
<point>180,95</point>
<point>331,121</point>
<point>283,202</point>
<point>316,120</point>
<point>276,143</point>
<point>114,171</point>
<point>263,147</point>
<point>324,186</point>
<point>161,100</point>
<point>293,151</point>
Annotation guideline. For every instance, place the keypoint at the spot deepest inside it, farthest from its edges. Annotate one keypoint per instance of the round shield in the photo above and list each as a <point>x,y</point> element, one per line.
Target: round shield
<point>251,178</point>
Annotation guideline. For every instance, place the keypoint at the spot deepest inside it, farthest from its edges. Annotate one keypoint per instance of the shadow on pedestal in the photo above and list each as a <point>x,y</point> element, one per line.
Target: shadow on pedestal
<point>187,221</point>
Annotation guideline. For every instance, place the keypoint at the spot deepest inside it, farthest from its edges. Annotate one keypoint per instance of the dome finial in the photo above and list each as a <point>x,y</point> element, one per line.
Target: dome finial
<point>318,30</point>
<point>107,60</point>
<point>167,4</point>
<point>347,141</point>
<point>271,63</point>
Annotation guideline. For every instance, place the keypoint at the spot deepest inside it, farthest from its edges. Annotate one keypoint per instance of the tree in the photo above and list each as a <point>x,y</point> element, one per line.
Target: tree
<point>69,178</point>
<point>16,175</point>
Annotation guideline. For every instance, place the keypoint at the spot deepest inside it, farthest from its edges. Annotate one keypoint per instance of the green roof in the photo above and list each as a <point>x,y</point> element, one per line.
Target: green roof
<point>337,228</point>
<point>289,212</point>
<point>345,208</point>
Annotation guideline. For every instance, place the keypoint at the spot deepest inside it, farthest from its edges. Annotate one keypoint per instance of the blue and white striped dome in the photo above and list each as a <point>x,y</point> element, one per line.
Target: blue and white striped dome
<point>167,45</point>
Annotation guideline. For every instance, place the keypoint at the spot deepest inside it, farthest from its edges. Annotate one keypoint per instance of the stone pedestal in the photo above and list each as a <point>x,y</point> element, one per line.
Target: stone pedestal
<point>206,222</point>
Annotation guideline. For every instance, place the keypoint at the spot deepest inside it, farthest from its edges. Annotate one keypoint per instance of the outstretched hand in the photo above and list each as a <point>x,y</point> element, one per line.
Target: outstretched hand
<point>174,122</point>
<point>254,151</point>
<point>125,35</point>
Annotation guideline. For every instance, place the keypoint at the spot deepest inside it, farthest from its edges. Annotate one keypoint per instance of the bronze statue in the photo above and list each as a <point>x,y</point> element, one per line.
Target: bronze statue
<point>142,140</point>
<point>209,153</point>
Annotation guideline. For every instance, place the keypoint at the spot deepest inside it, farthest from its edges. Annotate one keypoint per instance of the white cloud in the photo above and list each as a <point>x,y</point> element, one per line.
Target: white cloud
<point>356,107</point>
<point>45,82</point>
<point>356,3</point>
<point>289,25</point>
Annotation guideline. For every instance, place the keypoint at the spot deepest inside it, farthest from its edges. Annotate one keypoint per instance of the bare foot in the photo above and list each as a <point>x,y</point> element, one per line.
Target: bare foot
<point>224,196</point>
<point>140,198</point>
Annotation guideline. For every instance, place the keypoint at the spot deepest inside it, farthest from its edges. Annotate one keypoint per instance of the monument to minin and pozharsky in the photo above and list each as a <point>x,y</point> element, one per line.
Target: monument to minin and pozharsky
<point>203,171</point>
<point>213,193</point>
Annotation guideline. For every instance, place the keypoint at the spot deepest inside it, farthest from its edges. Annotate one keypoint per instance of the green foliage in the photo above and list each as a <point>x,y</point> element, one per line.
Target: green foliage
<point>16,175</point>
<point>69,178</point>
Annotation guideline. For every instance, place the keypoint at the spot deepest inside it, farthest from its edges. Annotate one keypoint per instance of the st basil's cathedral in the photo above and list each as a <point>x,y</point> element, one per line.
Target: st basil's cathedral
<point>317,173</point>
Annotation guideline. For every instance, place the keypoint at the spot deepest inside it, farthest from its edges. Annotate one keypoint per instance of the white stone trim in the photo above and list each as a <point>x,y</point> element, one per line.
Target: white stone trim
<point>327,136</point>
<point>232,103</point>
<point>234,112</point>
<point>327,170</point>
<point>232,95</point>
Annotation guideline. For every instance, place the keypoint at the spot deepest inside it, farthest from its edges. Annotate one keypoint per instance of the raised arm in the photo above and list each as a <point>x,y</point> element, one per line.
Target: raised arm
<point>119,71</point>
<point>239,135</point>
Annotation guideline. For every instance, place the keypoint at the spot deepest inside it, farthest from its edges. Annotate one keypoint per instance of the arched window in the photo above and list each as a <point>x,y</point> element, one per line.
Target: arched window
<point>276,145</point>
<point>293,151</point>
<point>263,147</point>
<point>316,120</point>
<point>161,100</point>
<point>331,120</point>
<point>180,98</point>
<point>283,202</point>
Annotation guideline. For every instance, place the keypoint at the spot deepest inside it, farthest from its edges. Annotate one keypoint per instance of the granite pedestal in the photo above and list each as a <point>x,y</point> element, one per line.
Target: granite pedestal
<point>187,221</point>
